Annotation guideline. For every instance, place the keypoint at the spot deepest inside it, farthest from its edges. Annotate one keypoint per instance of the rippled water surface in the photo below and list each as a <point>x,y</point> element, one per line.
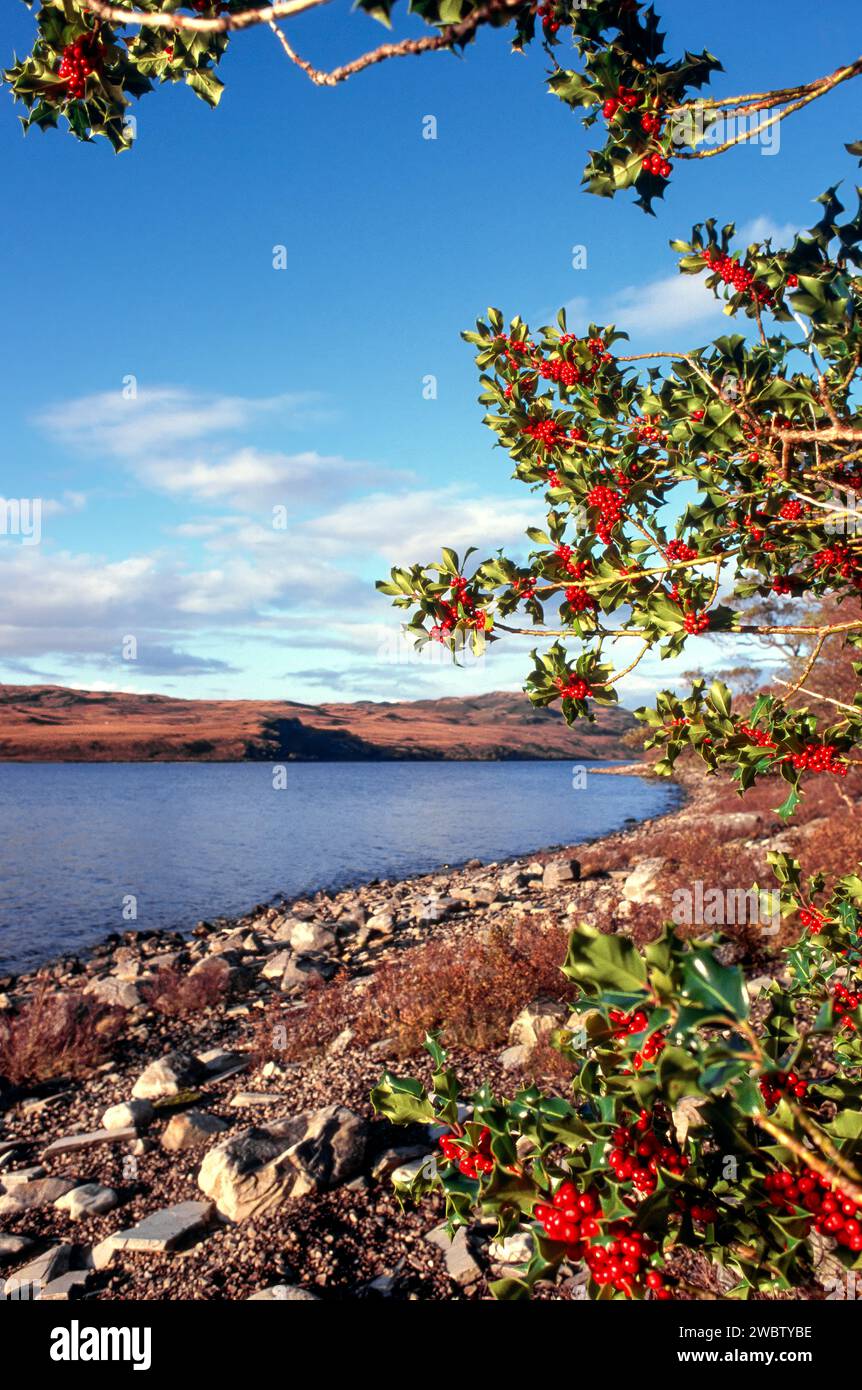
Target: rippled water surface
<point>192,840</point>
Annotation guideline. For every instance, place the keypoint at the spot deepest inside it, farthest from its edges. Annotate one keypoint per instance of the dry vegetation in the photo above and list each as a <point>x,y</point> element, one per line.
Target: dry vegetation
<point>468,995</point>
<point>56,1035</point>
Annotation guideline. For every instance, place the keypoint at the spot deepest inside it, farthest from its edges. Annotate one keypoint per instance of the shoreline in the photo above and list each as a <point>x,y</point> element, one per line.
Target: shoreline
<point>185,1084</point>
<point>281,901</point>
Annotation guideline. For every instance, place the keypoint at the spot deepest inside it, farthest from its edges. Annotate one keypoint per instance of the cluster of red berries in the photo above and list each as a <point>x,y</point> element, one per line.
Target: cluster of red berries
<point>622,1262</point>
<point>678,550</point>
<point>818,757</point>
<point>460,609</point>
<point>525,586</point>
<point>658,165</point>
<point>575,568</point>
<point>813,919</point>
<point>695,623</point>
<point>580,599</point>
<point>548,433</point>
<point>546,14</point>
<point>572,688</point>
<point>732,272</point>
<point>838,558</point>
<point>759,736</point>
<point>782,584</point>
<point>568,373</point>
<point>473,1160</point>
<point>609,505</point>
<point>572,1218</point>
<point>844,1002</point>
<point>782,1083</point>
<point>637,1153</point>
<point>625,98</point>
<point>647,432</point>
<point>79,60</point>
<point>623,1025</point>
<point>833,1212</point>
<point>792,511</point>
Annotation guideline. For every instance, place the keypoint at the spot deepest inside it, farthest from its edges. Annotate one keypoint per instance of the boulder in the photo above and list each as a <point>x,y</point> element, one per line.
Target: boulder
<point>259,1168</point>
<point>460,1264</point>
<point>190,1130</point>
<point>130,1113</point>
<point>311,936</point>
<point>90,1199</point>
<point>536,1021</point>
<point>176,1072</point>
<point>330,1151</point>
<point>642,885</point>
<point>247,1174</point>
<point>165,1229</point>
<point>51,1264</point>
<point>276,965</point>
<point>560,872</point>
<point>29,1196</point>
<point>118,994</point>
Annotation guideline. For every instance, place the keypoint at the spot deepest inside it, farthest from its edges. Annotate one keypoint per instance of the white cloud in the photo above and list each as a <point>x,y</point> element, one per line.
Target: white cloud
<point>765,228</point>
<point>661,306</point>
<point>408,526</point>
<point>159,418</point>
<point>251,478</point>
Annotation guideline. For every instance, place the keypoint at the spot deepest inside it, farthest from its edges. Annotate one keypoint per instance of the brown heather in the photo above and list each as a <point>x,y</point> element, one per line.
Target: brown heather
<point>56,1035</point>
<point>467,991</point>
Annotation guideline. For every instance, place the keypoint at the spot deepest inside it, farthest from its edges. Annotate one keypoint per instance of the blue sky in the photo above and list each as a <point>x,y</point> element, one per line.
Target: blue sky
<point>302,388</point>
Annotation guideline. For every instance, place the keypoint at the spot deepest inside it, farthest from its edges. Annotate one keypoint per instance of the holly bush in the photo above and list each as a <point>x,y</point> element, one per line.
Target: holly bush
<point>683,490</point>
<point>606,61</point>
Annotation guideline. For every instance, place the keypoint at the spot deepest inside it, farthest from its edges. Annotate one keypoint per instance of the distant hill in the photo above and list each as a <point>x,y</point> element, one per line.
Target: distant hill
<point>48,723</point>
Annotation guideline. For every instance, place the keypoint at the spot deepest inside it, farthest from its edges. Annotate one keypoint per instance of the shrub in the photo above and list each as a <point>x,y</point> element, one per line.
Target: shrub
<point>174,994</point>
<point>56,1035</point>
<point>468,991</point>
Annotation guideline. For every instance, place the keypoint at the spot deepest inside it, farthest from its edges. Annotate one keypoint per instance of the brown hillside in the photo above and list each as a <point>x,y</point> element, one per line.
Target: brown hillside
<point>44,723</point>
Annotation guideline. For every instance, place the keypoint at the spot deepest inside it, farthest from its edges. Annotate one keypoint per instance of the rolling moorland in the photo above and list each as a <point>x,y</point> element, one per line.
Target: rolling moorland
<point>48,723</point>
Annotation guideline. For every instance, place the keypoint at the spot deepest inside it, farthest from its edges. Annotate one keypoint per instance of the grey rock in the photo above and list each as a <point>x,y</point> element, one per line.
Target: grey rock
<point>51,1264</point>
<point>70,1285</point>
<point>12,1246</point>
<point>511,1058</point>
<point>311,936</point>
<point>559,872</point>
<point>118,994</point>
<point>129,1114</point>
<point>219,1063</point>
<point>190,1130</point>
<point>460,1264</point>
<point>176,1072</point>
<point>386,1163</point>
<point>516,1249</point>
<point>71,1143</point>
<point>165,1229</point>
<point>90,1199</point>
<point>16,1176</point>
<point>330,1151</point>
<point>247,1174</point>
<point>536,1021</point>
<point>642,884</point>
<point>30,1196</point>
<point>276,965</point>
